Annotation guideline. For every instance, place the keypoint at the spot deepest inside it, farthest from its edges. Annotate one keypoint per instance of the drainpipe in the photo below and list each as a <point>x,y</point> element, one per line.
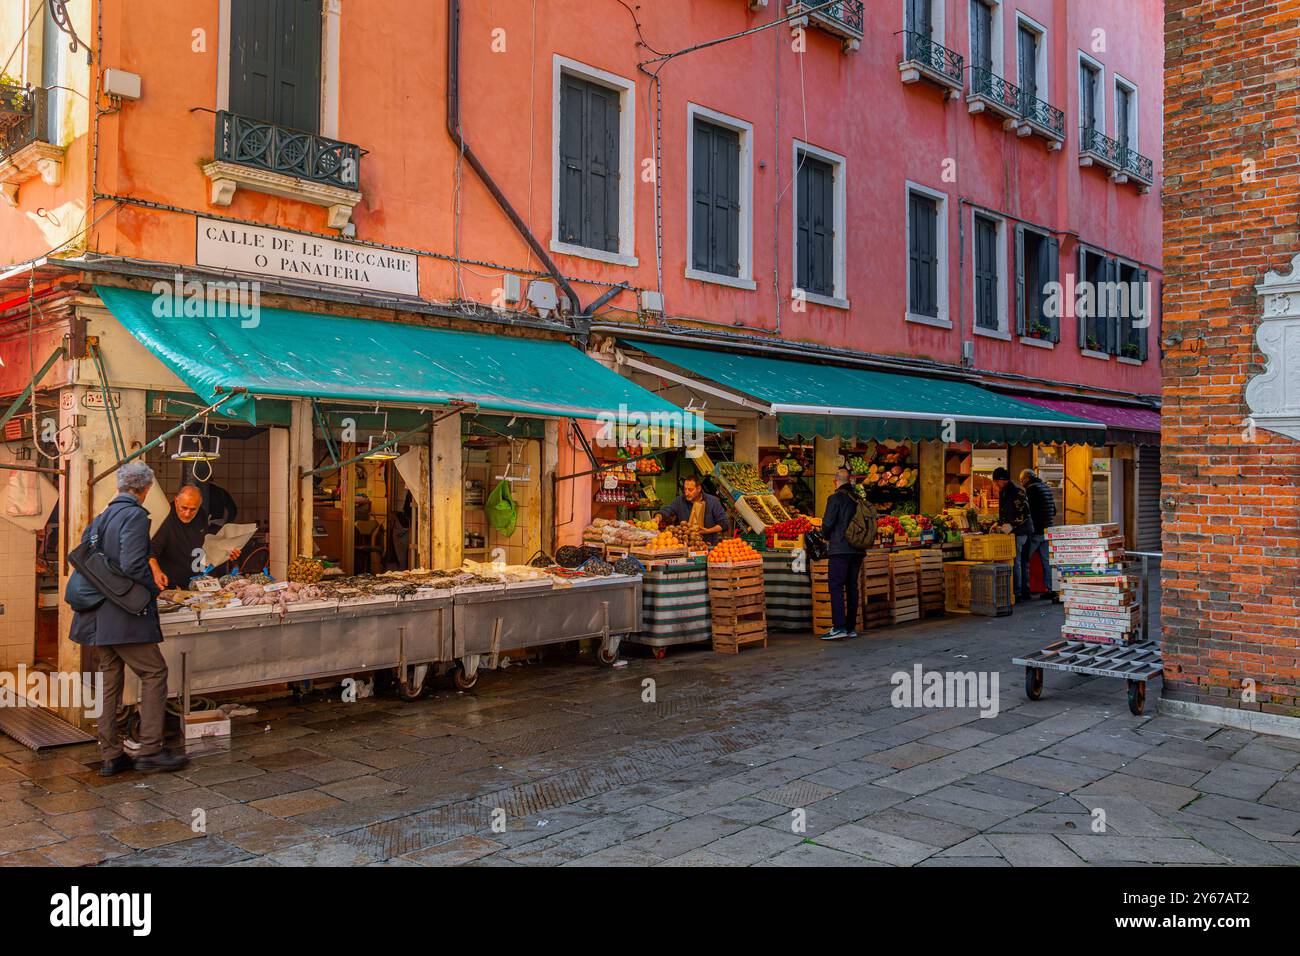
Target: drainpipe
<point>453,128</point>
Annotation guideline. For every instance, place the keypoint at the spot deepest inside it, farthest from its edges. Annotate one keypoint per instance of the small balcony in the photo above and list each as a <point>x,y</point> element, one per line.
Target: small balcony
<point>1139,168</point>
<point>1042,118</point>
<point>925,59</point>
<point>267,158</point>
<point>845,19</point>
<point>1096,148</point>
<point>990,91</point>
<point>25,152</point>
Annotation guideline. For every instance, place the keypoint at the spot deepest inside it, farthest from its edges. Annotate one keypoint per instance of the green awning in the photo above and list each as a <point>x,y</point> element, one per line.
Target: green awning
<point>302,354</point>
<point>858,404</point>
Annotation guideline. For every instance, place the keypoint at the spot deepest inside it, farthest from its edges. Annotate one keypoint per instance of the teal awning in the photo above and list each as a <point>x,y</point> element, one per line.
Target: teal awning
<point>858,404</point>
<point>282,353</point>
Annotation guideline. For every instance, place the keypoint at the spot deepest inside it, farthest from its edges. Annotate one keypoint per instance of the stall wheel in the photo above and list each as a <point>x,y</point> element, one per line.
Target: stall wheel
<point>660,653</point>
<point>1033,682</point>
<point>412,684</point>
<point>463,682</point>
<point>606,657</point>
<point>1137,697</point>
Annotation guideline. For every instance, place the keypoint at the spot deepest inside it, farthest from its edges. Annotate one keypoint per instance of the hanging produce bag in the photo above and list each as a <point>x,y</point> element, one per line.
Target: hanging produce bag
<point>502,513</point>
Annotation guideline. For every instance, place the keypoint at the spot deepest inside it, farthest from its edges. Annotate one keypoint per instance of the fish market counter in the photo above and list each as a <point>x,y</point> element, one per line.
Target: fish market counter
<point>234,648</point>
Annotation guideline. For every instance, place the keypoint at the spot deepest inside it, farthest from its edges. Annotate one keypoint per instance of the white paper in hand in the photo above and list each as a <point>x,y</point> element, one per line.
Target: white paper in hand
<point>231,537</point>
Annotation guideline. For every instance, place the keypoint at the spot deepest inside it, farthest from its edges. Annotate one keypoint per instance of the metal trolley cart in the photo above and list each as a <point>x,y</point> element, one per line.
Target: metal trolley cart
<point>1135,663</point>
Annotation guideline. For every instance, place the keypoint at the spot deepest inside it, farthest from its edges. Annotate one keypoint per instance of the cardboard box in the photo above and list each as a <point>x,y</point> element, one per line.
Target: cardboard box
<point>206,723</point>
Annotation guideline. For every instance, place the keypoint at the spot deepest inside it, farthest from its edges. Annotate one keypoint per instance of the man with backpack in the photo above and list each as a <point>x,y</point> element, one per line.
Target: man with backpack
<point>1042,508</point>
<point>1015,518</point>
<point>849,527</point>
<point>125,637</point>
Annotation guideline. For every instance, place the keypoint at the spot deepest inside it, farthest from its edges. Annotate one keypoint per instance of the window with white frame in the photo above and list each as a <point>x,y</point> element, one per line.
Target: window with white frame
<point>989,275</point>
<point>1126,114</point>
<point>593,172</point>
<point>927,256</point>
<point>819,225</point>
<point>925,18</point>
<point>719,198</point>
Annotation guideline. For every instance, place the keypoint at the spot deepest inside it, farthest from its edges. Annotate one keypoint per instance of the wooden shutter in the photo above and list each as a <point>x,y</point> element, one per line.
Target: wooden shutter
<point>275,53</point>
<point>1088,86</point>
<point>589,164</point>
<point>1081,275</point>
<point>1148,308</point>
<point>816,227</point>
<point>1024,315</point>
<point>1111,320</point>
<point>1121,118</point>
<point>1027,78</point>
<point>914,297</point>
<point>918,17</point>
<point>986,273</point>
<point>715,226</point>
<point>923,255</point>
<point>981,40</point>
<point>1050,271</point>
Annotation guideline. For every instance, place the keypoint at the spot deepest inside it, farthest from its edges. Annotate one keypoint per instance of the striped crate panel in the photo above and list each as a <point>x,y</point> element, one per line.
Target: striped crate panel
<point>675,603</point>
<point>789,597</point>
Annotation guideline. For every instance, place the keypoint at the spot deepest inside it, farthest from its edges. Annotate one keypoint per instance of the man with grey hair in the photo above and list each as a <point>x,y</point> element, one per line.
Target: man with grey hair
<point>122,639</point>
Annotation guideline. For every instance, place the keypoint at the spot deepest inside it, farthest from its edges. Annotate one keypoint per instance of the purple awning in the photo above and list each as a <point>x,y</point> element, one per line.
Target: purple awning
<point>1116,418</point>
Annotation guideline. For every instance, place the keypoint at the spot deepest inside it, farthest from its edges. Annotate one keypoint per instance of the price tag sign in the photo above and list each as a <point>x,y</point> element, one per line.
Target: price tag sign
<point>277,586</point>
<point>611,482</point>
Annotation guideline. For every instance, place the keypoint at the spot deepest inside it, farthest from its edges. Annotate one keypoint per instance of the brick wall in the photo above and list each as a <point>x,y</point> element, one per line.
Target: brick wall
<point>1231,214</point>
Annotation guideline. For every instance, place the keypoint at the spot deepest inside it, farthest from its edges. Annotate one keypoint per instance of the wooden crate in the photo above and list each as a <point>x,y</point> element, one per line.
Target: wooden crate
<point>737,605</point>
<point>876,612</point>
<point>661,554</point>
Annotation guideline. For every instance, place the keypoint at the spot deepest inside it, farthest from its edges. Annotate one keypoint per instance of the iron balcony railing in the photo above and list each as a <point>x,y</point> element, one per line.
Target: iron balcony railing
<point>292,152</point>
<point>1138,166</point>
<point>1101,146</point>
<point>844,17</point>
<point>987,84</point>
<point>921,49</point>
<point>24,116</point>
<point>1042,114</point>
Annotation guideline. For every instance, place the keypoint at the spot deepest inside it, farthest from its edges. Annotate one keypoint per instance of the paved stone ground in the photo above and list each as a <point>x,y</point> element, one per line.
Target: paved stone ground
<point>581,771</point>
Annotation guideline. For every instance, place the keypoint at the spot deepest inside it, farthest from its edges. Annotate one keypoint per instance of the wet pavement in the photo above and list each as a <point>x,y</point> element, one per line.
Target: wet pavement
<point>786,756</point>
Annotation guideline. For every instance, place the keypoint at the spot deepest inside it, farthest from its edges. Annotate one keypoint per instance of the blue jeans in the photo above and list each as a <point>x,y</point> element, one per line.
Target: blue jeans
<point>1020,573</point>
<point>1037,542</point>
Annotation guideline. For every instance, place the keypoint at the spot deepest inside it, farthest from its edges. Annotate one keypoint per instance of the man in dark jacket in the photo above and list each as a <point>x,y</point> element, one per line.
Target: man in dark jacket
<point>694,507</point>
<point>122,639</point>
<point>845,561</point>
<point>1042,508</point>
<point>1014,516</point>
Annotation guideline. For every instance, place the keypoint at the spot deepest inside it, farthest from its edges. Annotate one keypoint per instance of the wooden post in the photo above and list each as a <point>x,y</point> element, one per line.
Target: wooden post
<point>448,493</point>
<point>1078,484</point>
<point>546,484</point>
<point>422,539</point>
<point>348,501</point>
<point>826,458</point>
<point>747,440</point>
<point>931,464</point>
<point>301,500</point>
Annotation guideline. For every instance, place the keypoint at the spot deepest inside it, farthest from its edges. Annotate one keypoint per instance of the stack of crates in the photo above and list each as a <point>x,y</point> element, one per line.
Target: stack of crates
<point>738,605</point>
<point>991,589</point>
<point>905,588</point>
<point>821,595</point>
<point>956,586</point>
<point>929,568</point>
<point>876,606</point>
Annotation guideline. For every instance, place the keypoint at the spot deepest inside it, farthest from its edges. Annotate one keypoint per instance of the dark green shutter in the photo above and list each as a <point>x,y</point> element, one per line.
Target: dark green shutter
<point>1142,334</point>
<point>1081,276</point>
<point>1112,319</point>
<point>1027,78</point>
<point>1024,314</point>
<point>815,225</point>
<point>701,199</point>
<point>922,255</point>
<point>1050,271</point>
<point>986,273</point>
<point>715,220</point>
<point>981,35</point>
<point>275,54</point>
<point>918,17</point>
<point>589,164</point>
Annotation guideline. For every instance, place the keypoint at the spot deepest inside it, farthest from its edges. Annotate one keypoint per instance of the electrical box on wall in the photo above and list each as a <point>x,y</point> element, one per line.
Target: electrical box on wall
<point>510,288</point>
<point>122,84</point>
<point>652,302</point>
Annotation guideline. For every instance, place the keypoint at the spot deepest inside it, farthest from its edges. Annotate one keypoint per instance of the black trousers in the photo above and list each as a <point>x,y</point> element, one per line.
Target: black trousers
<point>842,577</point>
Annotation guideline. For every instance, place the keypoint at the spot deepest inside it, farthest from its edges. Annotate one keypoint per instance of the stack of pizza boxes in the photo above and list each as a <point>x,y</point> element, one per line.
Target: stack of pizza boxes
<point>1102,604</point>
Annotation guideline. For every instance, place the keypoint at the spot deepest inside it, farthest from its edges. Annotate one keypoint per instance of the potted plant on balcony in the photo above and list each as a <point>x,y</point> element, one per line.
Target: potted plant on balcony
<point>1092,344</point>
<point>1040,330</point>
<point>1130,350</point>
<point>15,103</point>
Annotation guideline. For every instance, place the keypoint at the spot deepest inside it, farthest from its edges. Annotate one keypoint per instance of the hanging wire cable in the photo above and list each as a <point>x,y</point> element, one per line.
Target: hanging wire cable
<point>664,57</point>
<point>36,13</point>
